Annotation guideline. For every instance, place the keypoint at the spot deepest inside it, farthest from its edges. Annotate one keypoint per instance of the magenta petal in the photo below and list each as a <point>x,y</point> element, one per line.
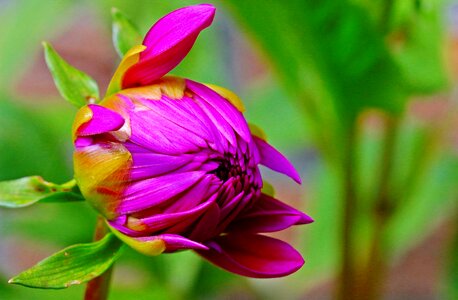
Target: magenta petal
<point>168,42</point>
<point>174,242</point>
<point>273,159</point>
<point>155,191</point>
<point>228,112</point>
<point>103,120</point>
<point>253,255</point>
<point>162,221</point>
<point>268,215</point>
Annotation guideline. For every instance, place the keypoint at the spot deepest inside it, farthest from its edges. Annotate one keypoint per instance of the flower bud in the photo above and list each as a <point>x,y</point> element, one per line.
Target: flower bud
<point>172,163</point>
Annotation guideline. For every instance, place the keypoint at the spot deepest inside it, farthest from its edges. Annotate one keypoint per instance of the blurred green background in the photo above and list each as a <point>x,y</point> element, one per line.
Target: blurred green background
<point>314,75</point>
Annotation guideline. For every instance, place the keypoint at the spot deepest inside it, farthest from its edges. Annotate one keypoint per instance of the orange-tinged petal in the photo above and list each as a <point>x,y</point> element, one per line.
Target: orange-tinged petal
<point>150,247</point>
<point>102,173</point>
<point>83,115</point>
<point>229,95</point>
<point>132,56</point>
<point>257,131</point>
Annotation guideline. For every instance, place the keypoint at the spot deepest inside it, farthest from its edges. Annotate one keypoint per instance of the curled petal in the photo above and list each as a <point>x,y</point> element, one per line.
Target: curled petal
<point>97,120</point>
<point>253,255</point>
<point>273,159</point>
<point>174,242</point>
<point>268,215</point>
<point>155,245</point>
<point>168,42</point>
<point>150,246</point>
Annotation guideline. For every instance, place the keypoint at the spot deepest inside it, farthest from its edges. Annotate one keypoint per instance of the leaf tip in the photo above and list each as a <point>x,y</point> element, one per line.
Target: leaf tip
<point>13,280</point>
<point>114,11</point>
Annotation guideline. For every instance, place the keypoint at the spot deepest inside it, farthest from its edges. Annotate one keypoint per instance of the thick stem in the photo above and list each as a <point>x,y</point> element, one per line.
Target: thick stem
<point>347,281</point>
<point>377,266</point>
<point>98,288</point>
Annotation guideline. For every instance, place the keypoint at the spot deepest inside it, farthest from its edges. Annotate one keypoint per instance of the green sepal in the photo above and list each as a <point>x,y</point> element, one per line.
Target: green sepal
<point>73,265</point>
<point>75,86</point>
<point>125,33</point>
<point>29,190</point>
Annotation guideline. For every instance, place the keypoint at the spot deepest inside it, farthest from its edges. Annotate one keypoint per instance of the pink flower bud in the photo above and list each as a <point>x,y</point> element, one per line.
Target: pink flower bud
<point>172,164</point>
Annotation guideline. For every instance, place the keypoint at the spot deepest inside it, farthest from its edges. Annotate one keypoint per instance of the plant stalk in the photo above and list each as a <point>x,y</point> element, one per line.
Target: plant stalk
<point>98,288</point>
<point>384,206</point>
<point>347,281</point>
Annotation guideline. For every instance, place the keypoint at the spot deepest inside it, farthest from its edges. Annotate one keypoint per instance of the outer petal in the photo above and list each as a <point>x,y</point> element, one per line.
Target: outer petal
<point>132,56</point>
<point>97,120</point>
<point>168,42</point>
<point>273,159</point>
<point>268,215</point>
<point>253,255</point>
<point>155,245</point>
<point>102,172</point>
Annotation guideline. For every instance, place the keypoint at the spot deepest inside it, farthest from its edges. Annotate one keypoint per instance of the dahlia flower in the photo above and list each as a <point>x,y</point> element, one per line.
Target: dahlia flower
<point>172,164</point>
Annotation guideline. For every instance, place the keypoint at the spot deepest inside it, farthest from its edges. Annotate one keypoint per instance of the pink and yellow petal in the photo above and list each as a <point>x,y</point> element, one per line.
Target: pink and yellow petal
<point>167,43</point>
<point>102,173</point>
<point>131,58</point>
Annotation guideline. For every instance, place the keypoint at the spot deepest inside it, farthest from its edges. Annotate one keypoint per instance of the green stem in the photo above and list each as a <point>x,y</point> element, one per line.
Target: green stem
<point>347,281</point>
<point>383,209</point>
<point>98,288</point>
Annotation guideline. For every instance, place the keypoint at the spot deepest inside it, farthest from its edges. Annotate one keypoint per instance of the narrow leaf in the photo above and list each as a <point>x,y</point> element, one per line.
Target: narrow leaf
<point>75,86</point>
<point>125,34</point>
<point>73,265</point>
<point>326,51</point>
<point>29,190</point>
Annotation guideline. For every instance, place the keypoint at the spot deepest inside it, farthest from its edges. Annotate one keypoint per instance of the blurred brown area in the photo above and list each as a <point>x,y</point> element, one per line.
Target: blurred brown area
<point>85,44</point>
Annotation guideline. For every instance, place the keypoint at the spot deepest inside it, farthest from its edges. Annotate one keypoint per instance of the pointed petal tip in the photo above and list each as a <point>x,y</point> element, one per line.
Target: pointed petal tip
<point>253,255</point>
<point>305,219</point>
<point>168,42</point>
<point>275,160</point>
<point>174,242</point>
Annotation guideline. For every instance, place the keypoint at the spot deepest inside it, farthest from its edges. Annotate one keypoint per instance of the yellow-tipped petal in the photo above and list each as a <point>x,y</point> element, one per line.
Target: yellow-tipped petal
<point>152,247</point>
<point>172,87</point>
<point>136,224</point>
<point>229,95</point>
<point>132,56</point>
<point>83,115</point>
<point>257,131</point>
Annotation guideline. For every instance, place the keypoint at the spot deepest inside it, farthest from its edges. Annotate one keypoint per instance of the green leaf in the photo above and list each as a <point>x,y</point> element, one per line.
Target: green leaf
<point>125,34</point>
<point>418,46</point>
<point>73,265</point>
<point>29,190</point>
<point>75,86</point>
<point>331,58</point>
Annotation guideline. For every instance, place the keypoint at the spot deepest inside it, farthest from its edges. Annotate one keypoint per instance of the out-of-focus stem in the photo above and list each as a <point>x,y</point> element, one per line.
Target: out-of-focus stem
<point>98,288</point>
<point>376,268</point>
<point>347,281</point>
